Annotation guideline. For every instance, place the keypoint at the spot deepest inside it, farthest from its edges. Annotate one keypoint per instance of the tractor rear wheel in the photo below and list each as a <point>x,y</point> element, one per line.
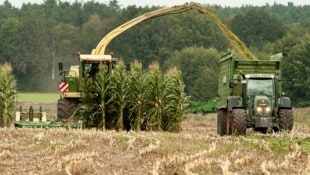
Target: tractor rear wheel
<point>239,121</point>
<point>221,122</point>
<point>286,120</point>
<point>65,108</point>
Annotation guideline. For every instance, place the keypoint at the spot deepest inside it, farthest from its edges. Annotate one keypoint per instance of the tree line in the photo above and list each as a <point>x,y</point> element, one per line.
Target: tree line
<point>35,37</point>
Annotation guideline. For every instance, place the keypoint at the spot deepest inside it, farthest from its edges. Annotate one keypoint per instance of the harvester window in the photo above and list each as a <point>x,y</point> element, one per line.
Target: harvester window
<point>94,69</point>
<point>86,67</point>
<point>72,73</point>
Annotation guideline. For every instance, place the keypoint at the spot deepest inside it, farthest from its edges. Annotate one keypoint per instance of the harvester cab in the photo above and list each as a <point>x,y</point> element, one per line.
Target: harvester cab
<point>70,85</point>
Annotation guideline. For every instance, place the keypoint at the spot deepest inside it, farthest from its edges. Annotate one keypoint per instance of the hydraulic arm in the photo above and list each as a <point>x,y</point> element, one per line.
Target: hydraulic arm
<point>100,49</point>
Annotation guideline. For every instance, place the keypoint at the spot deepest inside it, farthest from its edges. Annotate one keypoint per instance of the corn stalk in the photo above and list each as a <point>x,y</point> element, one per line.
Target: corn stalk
<point>100,87</point>
<point>90,110</point>
<point>135,95</point>
<point>175,99</point>
<point>154,96</point>
<point>135,99</point>
<point>94,96</point>
<point>7,95</point>
<point>117,93</point>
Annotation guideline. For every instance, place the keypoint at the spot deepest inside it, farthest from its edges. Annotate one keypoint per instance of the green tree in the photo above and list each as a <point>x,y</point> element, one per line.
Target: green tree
<point>10,37</point>
<point>200,71</point>
<point>7,11</point>
<point>295,44</point>
<point>94,30</point>
<point>256,28</point>
<point>35,70</point>
<point>66,41</point>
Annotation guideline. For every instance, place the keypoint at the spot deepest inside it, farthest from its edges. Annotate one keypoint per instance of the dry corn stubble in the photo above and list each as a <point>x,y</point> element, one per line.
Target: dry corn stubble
<point>195,150</point>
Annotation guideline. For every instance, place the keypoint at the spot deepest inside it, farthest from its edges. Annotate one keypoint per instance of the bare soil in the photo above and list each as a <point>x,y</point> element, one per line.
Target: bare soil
<point>196,149</point>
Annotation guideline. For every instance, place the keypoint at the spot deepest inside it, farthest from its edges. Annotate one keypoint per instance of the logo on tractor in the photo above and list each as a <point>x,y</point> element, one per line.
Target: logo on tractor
<point>63,87</point>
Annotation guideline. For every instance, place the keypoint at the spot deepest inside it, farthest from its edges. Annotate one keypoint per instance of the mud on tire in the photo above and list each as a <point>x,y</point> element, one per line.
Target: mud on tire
<point>65,108</point>
<point>221,122</point>
<point>239,121</point>
<point>286,120</point>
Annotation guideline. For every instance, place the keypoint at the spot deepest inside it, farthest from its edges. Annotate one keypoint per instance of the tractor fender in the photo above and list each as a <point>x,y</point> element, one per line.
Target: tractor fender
<point>233,102</point>
<point>284,102</point>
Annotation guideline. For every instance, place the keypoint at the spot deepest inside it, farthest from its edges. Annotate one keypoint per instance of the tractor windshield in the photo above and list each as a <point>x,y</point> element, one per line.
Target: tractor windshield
<point>260,87</point>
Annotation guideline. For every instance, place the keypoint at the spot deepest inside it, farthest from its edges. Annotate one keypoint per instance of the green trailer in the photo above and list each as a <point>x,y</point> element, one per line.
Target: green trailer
<point>251,96</point>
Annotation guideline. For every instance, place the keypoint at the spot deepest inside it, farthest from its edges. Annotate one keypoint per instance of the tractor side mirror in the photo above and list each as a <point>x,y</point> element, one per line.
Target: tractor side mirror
<point>60,66</point>
<point>290,84</point>
<point>232,84</point>
<point>61,69</point>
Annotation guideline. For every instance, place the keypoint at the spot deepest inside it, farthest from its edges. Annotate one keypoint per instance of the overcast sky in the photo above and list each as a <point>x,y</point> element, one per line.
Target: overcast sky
<point>125,3</point>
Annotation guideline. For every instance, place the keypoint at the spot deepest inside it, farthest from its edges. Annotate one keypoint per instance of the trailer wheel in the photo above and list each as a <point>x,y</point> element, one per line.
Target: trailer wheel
<point>239,121</point>
<point>65,108</point>
<point>286,120</point>
<point>221,122</point>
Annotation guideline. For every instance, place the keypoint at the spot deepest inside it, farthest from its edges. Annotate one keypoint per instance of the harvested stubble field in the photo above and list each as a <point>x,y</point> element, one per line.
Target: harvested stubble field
<point>195,150</point>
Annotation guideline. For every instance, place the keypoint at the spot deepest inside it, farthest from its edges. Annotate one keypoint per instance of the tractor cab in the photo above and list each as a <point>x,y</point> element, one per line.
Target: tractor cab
<point>260,94</point>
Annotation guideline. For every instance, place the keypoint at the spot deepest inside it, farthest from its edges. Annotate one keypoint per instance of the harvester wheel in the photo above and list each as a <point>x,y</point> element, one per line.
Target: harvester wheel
<point>65,108</point>
<point>286,120</point>
<point>221,122</point>
<point>239,121</point>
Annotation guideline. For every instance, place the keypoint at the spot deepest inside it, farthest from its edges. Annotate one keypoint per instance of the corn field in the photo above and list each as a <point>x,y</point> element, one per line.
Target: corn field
<point>7,95</point>
<point>134,99</point>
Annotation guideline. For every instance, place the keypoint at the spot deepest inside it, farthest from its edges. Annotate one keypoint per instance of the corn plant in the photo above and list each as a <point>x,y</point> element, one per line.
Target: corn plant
<point>174,98</point>
<point>90,109</point>
<point>94,94</point>
<point>135,99</point>
<point>154,96</point>
<point>100,86</point>
<point>117,93</point>
<point>7,95</point>
<point>135,94</point>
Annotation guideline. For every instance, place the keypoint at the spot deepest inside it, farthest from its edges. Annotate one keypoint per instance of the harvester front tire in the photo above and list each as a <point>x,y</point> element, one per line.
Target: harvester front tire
<point>239,121</point>
<point>286,120</point>
<point>65,108</point>
<point>221,123</point>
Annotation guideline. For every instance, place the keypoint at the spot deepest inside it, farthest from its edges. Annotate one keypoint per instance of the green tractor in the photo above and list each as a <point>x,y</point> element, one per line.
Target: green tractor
<point>250,96</point>
<point>70,85</point>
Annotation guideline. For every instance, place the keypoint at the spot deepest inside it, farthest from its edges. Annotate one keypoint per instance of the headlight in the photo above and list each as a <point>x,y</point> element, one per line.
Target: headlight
<point>259,109</point>
<point>264,109</point>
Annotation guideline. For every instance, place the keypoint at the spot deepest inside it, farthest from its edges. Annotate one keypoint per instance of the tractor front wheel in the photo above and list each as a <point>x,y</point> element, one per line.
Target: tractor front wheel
<point>239,121</point>
<point>66,108</point>
<point>286,120</point>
